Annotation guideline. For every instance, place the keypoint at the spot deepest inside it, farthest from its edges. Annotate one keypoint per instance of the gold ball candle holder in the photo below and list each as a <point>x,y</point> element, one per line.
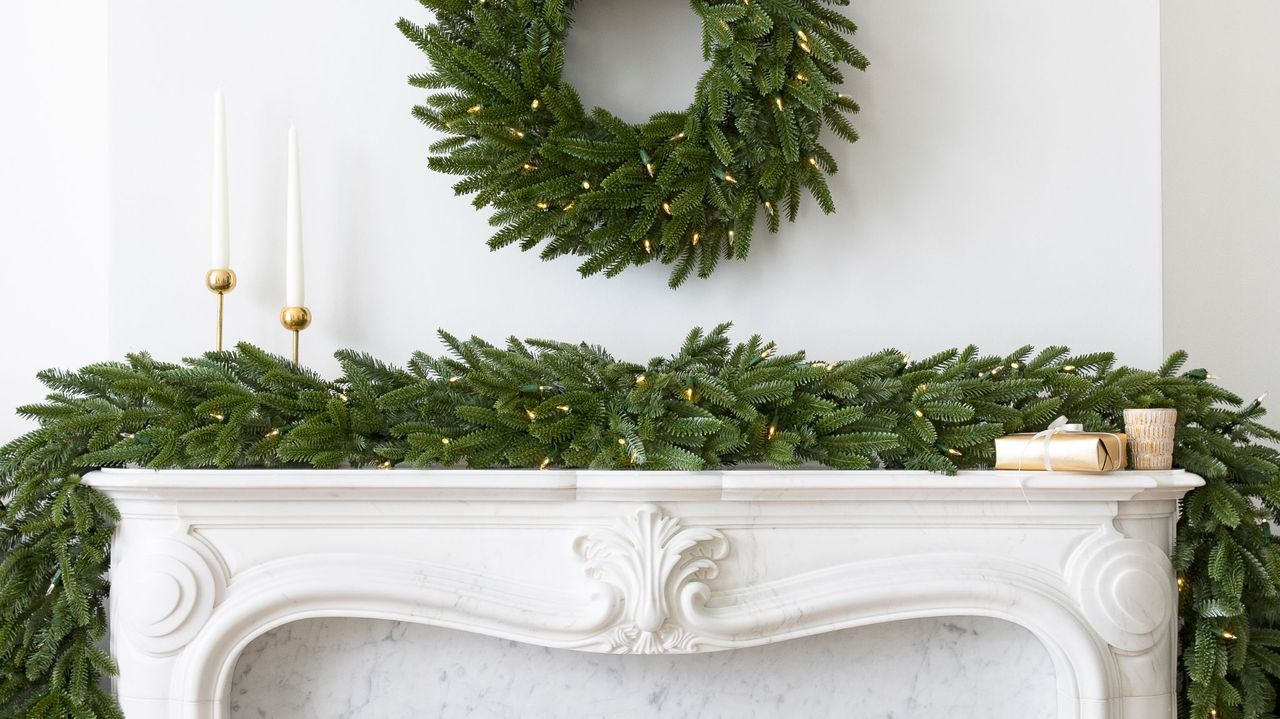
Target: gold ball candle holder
<point>220,282</point>
<point>295,319</point>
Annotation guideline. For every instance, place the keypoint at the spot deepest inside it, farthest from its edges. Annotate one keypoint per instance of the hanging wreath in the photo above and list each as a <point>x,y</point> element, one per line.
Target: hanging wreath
<point>682,188</point>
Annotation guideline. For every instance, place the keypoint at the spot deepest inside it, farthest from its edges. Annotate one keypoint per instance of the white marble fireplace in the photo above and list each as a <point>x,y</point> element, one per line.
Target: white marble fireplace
<point>643,563</point>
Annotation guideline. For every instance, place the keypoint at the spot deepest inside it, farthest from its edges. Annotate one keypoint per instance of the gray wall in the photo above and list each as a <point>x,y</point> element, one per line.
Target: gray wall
<point>1221,146</point>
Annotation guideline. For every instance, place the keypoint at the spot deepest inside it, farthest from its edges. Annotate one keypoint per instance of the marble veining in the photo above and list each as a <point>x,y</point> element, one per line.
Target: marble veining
<point>963,668</point>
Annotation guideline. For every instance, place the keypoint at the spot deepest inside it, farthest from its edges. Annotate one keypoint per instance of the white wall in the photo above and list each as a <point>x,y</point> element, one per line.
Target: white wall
<point>1222,188</point>
<point>1006,189</point>
<point>53,199</point>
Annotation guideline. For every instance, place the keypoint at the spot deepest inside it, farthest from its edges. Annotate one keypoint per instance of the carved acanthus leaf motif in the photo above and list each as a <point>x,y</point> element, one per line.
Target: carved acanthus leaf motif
<point>648,556</point>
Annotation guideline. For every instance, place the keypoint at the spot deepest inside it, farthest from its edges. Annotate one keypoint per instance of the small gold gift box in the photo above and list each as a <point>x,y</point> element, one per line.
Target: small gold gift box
<point>1067,449</point>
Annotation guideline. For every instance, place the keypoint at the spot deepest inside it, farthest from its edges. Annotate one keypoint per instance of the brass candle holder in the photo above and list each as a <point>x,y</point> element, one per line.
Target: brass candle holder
<point>295,319</point>
<point>220,282</point>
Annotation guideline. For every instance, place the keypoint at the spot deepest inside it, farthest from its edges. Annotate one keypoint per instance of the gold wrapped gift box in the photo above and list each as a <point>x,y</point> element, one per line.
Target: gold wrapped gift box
<point>1067,452</point>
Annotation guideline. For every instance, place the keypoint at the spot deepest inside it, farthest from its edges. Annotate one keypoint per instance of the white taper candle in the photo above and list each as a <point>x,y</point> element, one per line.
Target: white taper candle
<point>293,279</point>
<point>220,237</point>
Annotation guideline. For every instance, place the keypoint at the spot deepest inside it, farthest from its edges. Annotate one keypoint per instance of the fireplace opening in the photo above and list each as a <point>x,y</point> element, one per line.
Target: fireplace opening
<point>955,668</point>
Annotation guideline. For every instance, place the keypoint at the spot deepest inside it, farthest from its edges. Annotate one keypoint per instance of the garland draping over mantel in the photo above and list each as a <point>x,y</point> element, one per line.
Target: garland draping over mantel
<point>552,404</point>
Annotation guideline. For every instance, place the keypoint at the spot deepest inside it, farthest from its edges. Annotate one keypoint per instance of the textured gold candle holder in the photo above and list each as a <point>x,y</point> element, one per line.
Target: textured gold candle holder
<point>220,282</point>
<point>295,319</point>
<point>1151,434</point>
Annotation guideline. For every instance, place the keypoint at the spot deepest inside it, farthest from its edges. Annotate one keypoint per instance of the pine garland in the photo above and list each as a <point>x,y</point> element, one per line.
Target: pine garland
<point>552,404</point>
<point>682,188</point>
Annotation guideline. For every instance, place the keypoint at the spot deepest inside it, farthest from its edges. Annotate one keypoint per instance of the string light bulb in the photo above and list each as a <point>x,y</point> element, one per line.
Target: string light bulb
<point>586,184</point>
<point>444,440</point>
<point>919,413</point>
<point>906,359</point>
<point>518,134</point>
<point>455,379</point>
<point>773,431</point>
<point>778,101</point>
<point>563,408</point>
<point>1182,583</point>
<point>768,206</point>
<point>535,104</point>
<point>688,393</point>
<point>546,462</point>
<point>531,413</point>
<point>274,432</point>
<point>813,161</point>
<point>474,109</point>
<point>1015,365</point>
<point>543,205</point>
<point>1069,368</point>
<point>731,237</point>
<point>639,379</point>
<point>1227,634</point>
<point>666,207</point>
<point>677,136</point>
<point>696,237</point>
<point>954,452</point>
<point>648,246</point>
<point>385,464</point>
<point>802,77</point>
<point>622,441</point>
<point>217,416</point>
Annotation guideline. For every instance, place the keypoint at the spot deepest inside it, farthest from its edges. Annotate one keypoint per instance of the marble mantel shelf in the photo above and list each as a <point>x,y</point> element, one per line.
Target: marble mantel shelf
<point>643,562</point>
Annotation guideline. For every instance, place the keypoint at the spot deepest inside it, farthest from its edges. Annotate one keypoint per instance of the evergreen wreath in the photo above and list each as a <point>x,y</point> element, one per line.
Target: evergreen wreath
<point>544,404</point>
<point>682,188</point>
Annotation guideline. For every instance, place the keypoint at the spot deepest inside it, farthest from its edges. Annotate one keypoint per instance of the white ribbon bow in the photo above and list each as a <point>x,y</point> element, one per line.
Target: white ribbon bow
<point>1057,426</point>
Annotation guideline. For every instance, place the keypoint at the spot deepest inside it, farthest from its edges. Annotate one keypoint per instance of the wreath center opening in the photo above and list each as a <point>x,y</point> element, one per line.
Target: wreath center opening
<point>635,58</point>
